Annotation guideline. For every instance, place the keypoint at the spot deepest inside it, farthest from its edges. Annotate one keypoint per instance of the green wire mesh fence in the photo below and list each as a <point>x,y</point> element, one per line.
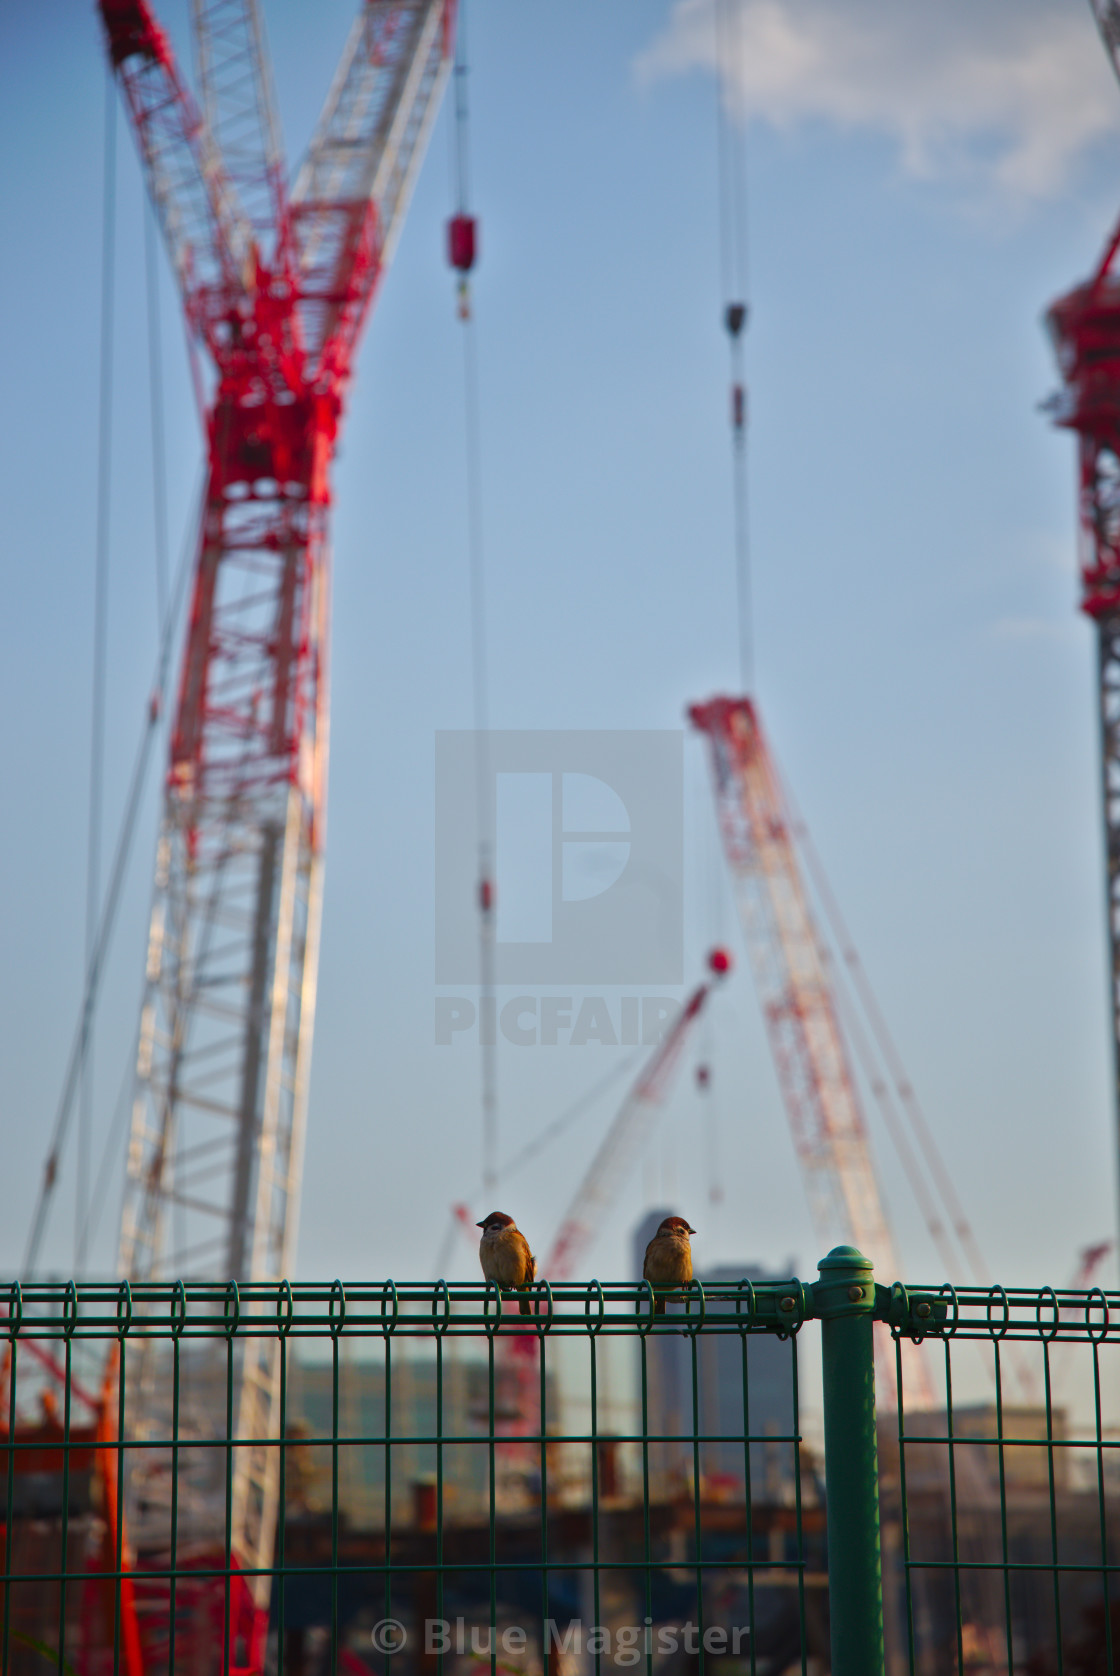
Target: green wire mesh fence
<point>1001,1503</point>
<point>440,1485</point>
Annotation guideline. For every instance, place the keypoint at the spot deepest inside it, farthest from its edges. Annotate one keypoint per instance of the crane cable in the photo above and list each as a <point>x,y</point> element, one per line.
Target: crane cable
<point>155,403</point>
<point>731,171</point>
<point>867,1031</point>
<point>153,717</point>
<point>169,606</point>
<point>544,1138</point>
<point>100,615</point>
<point>731,151</point>
<point>111,902</point>
<point>461,251</point>
<point>705,1086</point>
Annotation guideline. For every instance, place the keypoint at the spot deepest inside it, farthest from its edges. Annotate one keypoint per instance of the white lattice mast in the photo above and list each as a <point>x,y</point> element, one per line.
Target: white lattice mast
<point>276,291</point>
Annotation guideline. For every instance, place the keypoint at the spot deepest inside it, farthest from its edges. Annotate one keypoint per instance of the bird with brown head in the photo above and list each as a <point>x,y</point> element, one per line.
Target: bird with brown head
<point>504,1254</point>
<point>668,1261</point>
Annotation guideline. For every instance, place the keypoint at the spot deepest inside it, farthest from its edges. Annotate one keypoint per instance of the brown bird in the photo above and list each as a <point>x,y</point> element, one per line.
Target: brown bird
<point>668,1257</point>
<point>504,1254</point>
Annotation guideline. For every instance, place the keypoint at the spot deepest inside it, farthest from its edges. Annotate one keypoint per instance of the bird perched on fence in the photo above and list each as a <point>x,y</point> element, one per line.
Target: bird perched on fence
<point>504,1254</point>
<point>668,1258</point>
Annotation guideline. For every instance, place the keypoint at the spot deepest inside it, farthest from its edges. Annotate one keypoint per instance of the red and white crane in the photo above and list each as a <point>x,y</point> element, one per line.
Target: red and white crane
<point>603,1179</point>
<point>794,989</point>
<point>276,286</point>
<point>599,1187</point>
<point>798,1004</point>
<point>1085,328</point>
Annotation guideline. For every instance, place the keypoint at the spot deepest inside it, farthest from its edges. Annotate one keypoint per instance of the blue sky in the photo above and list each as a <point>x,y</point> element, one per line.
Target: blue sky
<point>919,189</point>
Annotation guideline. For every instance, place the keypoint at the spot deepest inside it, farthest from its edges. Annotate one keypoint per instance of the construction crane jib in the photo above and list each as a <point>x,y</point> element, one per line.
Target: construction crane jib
<point>1084,326</point>
<point>276,287</point>
<point>795,993</point>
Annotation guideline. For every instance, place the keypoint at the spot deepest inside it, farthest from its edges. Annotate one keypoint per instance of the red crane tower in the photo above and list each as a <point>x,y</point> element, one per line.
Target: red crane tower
<point>1085,328</point>
<point>276,287</point>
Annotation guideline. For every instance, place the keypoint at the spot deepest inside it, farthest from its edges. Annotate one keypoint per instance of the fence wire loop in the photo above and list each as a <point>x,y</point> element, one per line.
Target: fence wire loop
<point>441,1294</point>
<point>898,1311</point>
<point>1096,1297</point>
<point>231,1317</point>
<point>178,1310</point>
<point>694,1289</point>
<point>389,1322</point>
<point>1047,1293</point>
<point>491,1323</point>
<point>645,1322</point>
<point>124,1298</point>
<point>949,1291</point>
<point>997,1294</point>
<point>285,1308</point>
<point>542,1290</point>
<point>15,1308</point>
<point>338,1297</point>
<point>752,1304</point>
<point>594,1290</point>
<point>69,1310</point>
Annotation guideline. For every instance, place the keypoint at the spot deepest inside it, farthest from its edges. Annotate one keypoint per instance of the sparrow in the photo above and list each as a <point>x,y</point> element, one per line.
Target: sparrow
<point>668,1257</point>
<point>504,1254</point>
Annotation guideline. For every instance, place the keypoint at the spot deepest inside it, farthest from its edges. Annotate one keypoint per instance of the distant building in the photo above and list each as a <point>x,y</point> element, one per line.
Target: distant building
<point>744,1387</point>
<point>370,1434</point>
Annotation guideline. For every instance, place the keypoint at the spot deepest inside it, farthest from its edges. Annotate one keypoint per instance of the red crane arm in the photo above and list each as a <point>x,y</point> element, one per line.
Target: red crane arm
<point>353,187</point>
<point>798,1005</point>
<point>605,1174</point>
<point>235,79</point>
<point>208,238</point>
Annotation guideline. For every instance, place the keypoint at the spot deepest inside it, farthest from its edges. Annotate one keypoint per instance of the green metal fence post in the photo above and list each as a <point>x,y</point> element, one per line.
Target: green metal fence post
<point>845,1302</point>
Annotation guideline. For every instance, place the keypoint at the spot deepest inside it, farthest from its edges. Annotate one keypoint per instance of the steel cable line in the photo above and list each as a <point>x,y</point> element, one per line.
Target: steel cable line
<point>551,1132</point>
<point>100,627</point>
<point>462,258</point>
<point>99,1197</point>
<point>155,402</point>
<point>731,152</point>
<point>99,950</point>
<point>895,1094</point>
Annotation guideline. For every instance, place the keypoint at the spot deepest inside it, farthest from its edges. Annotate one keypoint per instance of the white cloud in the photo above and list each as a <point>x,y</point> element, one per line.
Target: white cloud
<point>1008,91</point>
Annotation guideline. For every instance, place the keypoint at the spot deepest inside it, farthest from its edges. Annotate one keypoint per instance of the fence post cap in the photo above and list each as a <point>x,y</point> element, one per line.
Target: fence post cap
<point>844,1257</point>
<point>846,1286</point>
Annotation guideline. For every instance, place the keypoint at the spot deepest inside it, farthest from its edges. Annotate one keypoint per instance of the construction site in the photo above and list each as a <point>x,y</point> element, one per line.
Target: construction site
<point>554,593</point>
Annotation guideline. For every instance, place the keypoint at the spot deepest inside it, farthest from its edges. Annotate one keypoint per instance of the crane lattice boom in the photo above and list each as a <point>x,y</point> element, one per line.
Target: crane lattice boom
<point>276,290</point>
<point>602,1180</point>
<point>1084,326</point>
<point>806,1039</point>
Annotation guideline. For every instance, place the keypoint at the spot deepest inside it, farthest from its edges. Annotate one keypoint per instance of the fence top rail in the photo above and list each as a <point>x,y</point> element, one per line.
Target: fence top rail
<point>191,1310</point>
<point>1014,1314</point>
